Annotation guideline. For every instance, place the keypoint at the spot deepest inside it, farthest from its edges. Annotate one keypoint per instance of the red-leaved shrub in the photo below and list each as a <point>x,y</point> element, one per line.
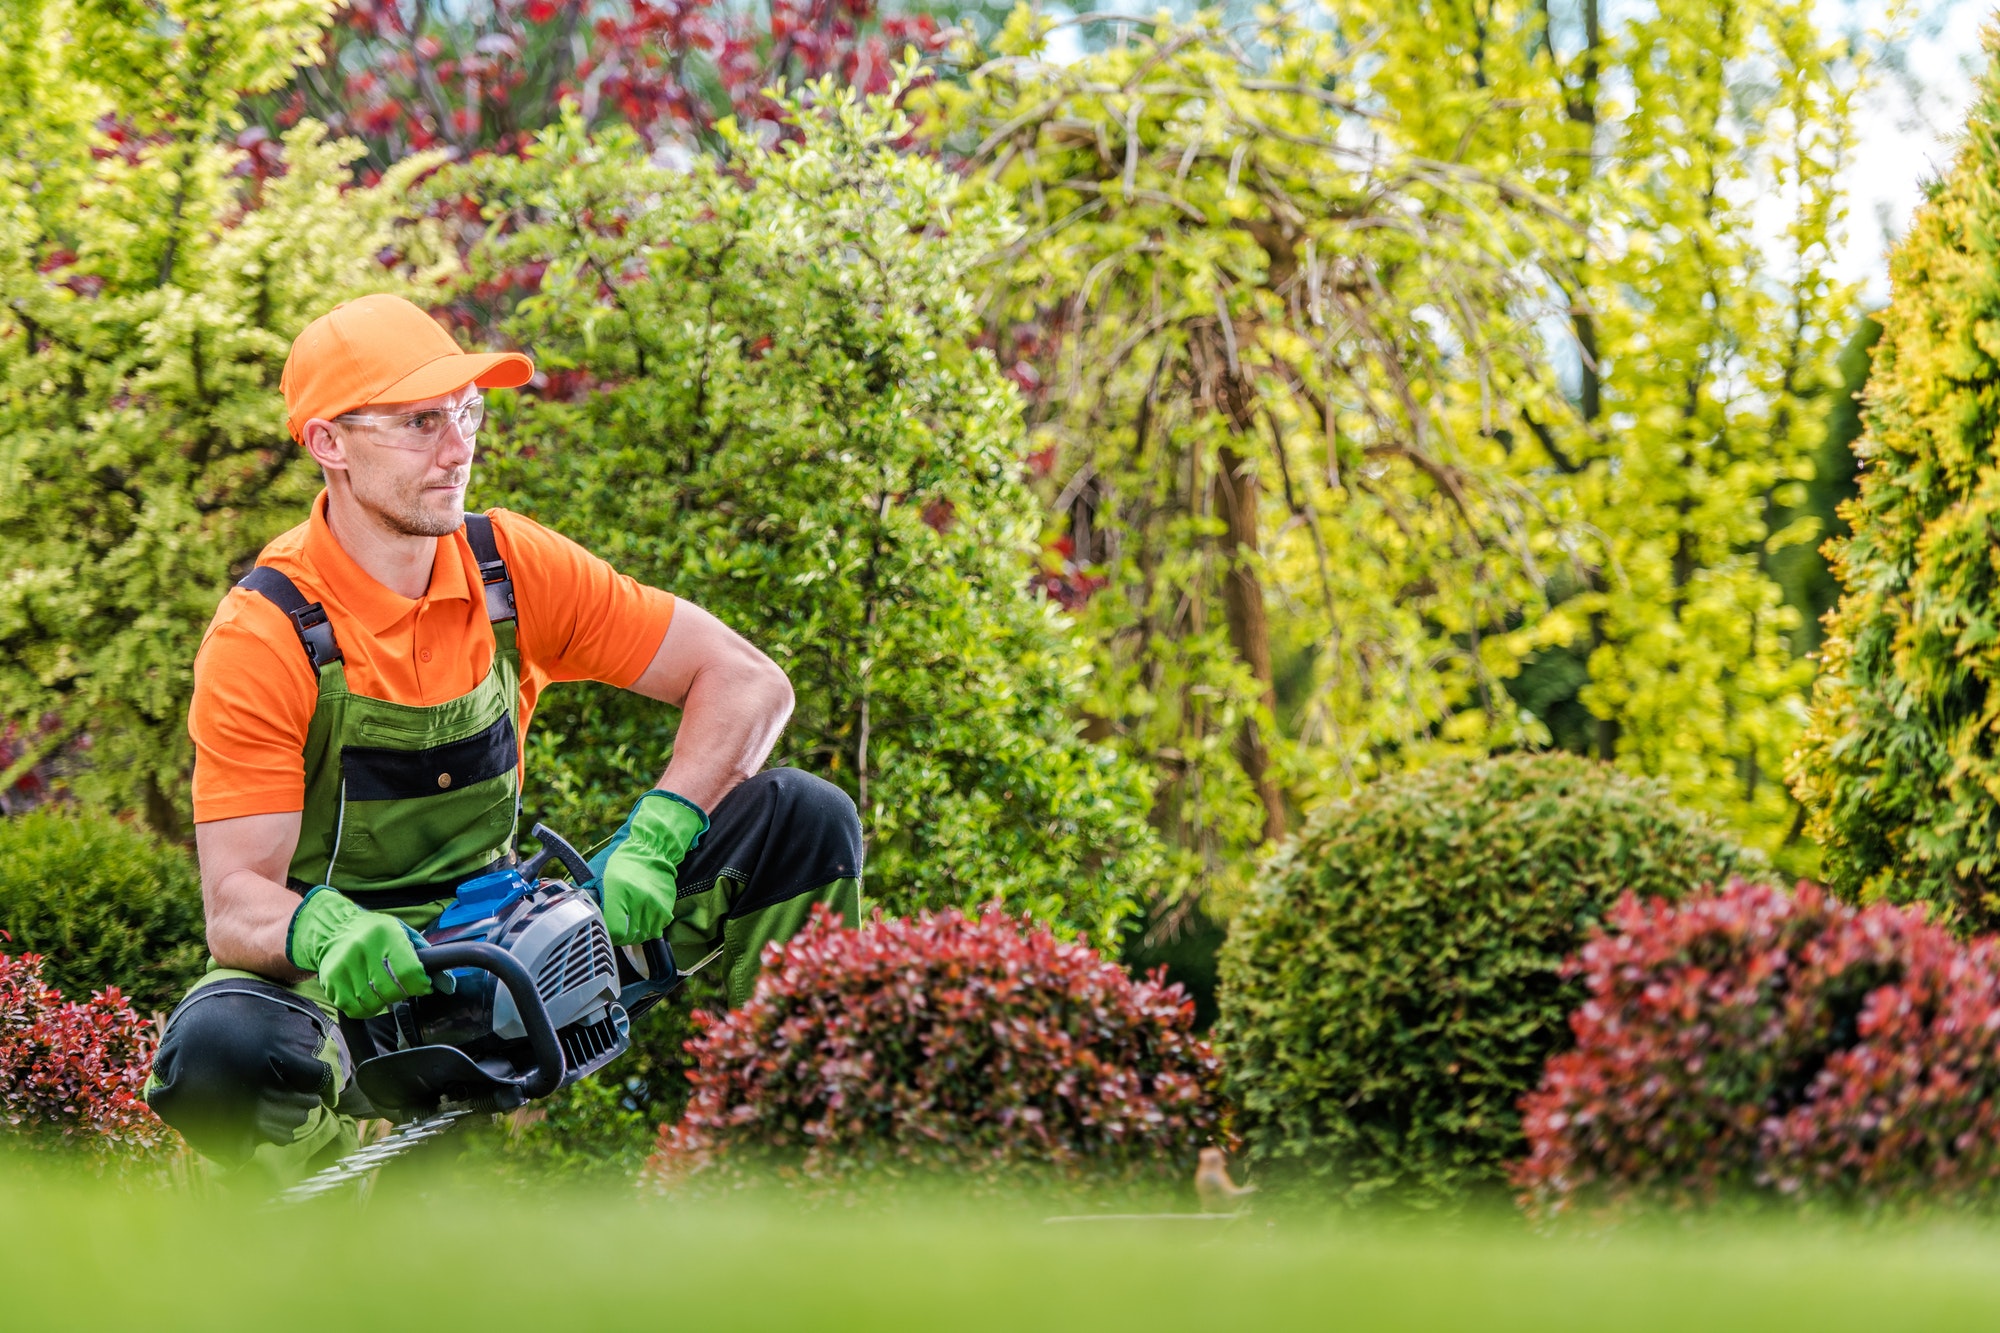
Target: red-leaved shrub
<point>71,1072</point>
<point>1753,1042</point>
<point>982,1046</point>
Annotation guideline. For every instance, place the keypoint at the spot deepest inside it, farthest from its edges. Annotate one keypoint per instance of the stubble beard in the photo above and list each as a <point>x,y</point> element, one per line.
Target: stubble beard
<point>406,514</point>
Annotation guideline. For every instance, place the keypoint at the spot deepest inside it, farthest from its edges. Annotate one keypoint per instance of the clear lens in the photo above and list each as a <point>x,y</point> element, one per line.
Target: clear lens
<point>421,430</point>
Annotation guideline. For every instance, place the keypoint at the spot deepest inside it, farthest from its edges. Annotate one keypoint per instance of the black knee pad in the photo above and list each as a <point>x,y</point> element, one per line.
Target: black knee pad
<point>240,1066</point>
<point>783,832</point>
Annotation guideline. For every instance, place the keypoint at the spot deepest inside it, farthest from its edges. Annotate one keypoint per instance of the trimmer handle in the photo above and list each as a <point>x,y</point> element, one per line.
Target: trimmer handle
<point>662,979</point>
<point>548,1071</point>
<point>554,848</point>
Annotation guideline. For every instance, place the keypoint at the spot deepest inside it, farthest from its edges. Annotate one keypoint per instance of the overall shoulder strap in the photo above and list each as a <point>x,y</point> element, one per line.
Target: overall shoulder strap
<point>308,618</point>
<point>492,569</point>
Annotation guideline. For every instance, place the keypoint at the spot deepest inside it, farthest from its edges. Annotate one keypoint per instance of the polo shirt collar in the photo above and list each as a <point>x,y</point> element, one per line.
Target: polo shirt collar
<point>357,592</point>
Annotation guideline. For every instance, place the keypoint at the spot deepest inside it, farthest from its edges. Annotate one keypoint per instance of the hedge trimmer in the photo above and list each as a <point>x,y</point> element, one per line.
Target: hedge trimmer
<point>531,996</point>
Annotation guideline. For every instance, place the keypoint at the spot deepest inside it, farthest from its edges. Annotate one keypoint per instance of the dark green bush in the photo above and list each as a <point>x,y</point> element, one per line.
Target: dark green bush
<point>1395,987</point>
<point>106,902</point>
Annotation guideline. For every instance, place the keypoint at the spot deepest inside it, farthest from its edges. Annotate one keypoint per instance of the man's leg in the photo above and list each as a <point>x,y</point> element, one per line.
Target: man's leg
<point>251,1074</point>
<point>777,845</point>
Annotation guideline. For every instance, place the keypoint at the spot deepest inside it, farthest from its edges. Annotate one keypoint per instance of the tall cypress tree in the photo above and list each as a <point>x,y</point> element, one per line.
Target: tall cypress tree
<point>1900,768</point>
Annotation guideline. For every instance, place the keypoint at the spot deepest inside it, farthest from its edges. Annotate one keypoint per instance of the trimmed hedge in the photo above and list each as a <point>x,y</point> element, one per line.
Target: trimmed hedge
<point>980,1047</point>
<point>1396,986</point>
<point>1753,1044</point>
<point>106,903</point>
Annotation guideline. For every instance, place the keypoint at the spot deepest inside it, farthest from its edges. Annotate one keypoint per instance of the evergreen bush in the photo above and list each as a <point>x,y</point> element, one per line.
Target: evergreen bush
<point>1751,1044</point>
<point>762,392</point>
<point>1900,768</point>
<point>981,1047</point>
<point>1396,985</point>
<point>106,903</point>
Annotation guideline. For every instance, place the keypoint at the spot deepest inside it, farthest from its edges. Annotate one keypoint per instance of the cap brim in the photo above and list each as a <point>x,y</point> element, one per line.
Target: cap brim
<point>447,374</point>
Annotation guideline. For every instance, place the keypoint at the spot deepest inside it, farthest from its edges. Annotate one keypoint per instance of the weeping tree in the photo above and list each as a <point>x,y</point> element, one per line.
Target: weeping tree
<point>1272,368</point>
<point>763,396</point>
<point>1403,390</point>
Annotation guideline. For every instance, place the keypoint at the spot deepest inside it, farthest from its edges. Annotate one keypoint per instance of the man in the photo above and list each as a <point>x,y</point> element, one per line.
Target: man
<point>359,704</point>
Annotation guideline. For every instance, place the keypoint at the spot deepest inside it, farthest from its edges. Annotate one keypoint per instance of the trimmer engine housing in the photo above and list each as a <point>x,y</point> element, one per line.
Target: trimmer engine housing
<point>525,978</point>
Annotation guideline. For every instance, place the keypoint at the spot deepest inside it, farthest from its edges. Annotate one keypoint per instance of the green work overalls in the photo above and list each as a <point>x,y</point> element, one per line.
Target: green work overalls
<point>403,803</point>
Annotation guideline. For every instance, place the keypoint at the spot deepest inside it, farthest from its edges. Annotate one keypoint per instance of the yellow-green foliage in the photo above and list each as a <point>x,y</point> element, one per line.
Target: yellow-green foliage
<point>1237,296</point>
<point>1901,764</point>
<point>148,295</point>
<point>1474,295</point>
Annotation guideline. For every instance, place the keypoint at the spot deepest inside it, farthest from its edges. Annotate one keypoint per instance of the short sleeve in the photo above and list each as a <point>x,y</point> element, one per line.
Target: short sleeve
<point>580,619</point>
<point>251,709</point>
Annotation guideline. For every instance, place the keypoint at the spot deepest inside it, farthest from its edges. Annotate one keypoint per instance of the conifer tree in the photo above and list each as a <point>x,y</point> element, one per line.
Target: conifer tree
<point>1414,380</point>
<point>764,398</point>
<point>1901,762</point>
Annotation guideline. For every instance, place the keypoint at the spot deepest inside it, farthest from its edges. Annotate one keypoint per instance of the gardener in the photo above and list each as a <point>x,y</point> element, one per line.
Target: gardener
<point>359,705</point>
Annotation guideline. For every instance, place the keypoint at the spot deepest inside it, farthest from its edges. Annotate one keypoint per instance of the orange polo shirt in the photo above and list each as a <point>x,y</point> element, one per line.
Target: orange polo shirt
<point>254,691</point>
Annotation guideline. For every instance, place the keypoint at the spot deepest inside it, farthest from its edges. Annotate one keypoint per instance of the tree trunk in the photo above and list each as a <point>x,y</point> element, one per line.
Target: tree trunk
<point>1249,627</point>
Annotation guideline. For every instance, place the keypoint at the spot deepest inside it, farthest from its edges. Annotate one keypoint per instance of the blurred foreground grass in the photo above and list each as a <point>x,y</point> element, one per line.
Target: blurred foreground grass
<point>78,1256</point>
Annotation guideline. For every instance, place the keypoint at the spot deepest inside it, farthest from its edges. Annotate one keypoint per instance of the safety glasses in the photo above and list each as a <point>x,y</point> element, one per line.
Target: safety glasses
<point>420,430</point>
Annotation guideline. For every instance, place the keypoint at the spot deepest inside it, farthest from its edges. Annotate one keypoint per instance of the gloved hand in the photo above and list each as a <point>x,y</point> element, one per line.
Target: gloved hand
<point>636,869</point>
<point>366,960</point>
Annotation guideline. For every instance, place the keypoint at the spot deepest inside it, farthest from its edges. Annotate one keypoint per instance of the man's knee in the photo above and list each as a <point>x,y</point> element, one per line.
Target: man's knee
<point>807,818</point>
<point>818,812</point>
<point>777,835</point>
<point>243,1063</point>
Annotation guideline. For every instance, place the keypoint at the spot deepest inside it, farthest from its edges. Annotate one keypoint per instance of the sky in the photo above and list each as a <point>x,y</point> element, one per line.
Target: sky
<point>1905,126</point>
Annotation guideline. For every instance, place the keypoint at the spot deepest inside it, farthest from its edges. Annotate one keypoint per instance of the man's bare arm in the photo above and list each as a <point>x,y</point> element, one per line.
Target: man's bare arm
<point>249,909</point>
<point>734,701</point>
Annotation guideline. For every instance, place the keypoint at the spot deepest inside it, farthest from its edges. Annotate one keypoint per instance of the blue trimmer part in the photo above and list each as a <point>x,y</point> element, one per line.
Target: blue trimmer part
<point>485,897</point>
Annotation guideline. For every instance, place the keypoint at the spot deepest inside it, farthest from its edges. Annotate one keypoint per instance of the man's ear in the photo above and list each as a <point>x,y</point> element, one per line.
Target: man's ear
<point>325,445</point>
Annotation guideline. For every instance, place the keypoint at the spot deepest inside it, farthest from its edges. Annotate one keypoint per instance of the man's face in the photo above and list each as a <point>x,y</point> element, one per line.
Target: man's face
<point>410,480</point>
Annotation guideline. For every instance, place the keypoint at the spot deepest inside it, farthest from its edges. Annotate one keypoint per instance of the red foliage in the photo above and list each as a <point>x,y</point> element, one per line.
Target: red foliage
<point>1750,1041</point>
<point>980,1045</point>
<point>71,1073</point>
<point>16,742</point>
<point>485,78</point>
<point>1061,578</point>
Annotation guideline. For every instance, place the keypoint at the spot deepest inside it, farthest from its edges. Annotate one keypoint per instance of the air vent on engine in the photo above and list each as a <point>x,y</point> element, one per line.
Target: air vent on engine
<point>583,955</point>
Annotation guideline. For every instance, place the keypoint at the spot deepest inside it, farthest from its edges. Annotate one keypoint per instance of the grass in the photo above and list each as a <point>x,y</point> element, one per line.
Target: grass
<point>76,1256</point>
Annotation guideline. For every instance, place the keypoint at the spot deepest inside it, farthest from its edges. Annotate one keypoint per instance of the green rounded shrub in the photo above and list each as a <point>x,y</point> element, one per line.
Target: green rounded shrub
<point>106,902</point>
<point>1396,985</point>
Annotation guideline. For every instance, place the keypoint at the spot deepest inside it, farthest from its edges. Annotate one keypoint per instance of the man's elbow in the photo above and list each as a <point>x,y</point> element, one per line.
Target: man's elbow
<point>776,688</point>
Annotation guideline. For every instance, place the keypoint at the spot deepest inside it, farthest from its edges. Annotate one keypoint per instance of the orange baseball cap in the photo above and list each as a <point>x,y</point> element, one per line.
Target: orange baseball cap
<point>382,349</point>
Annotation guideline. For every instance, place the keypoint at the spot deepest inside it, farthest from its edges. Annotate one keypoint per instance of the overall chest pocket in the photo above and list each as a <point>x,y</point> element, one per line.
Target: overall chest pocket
<point>415,815</point>
<point>404,773</point>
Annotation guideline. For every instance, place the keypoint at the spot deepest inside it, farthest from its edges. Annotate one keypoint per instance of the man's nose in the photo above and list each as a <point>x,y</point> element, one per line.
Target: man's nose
<point>458,444</point>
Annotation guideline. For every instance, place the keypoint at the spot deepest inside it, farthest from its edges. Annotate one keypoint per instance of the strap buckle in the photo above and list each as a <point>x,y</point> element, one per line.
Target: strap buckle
<point>317,636</point>
<point>499,590</point>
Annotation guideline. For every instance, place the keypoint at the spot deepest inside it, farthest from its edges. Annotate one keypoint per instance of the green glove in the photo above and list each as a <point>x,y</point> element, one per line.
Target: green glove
<point>366,960</point>
<point>636,869</point>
